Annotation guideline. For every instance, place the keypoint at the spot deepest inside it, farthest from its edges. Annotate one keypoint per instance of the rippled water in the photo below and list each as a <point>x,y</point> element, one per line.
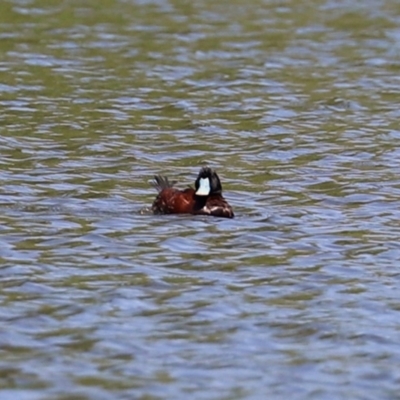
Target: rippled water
<point>295,103</point>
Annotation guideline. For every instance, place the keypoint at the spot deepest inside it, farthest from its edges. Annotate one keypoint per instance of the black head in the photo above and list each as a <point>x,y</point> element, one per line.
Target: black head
<point>207,182</point>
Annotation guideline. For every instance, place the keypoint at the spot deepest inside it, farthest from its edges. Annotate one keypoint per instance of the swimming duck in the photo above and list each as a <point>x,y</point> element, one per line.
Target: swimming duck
<point>205,199</point>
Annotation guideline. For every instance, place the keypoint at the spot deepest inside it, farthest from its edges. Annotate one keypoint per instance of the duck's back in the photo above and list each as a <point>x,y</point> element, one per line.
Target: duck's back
<point>171,200</point>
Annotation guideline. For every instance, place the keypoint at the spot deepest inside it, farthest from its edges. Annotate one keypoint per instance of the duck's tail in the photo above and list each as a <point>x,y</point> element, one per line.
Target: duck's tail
<point>162,182</point>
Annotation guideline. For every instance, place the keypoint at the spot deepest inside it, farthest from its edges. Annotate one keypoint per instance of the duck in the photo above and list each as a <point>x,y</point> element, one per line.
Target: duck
<point>205,199</point>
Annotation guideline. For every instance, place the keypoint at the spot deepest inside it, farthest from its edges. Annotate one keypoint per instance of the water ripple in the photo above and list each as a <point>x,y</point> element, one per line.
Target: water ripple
<point>295,105</point>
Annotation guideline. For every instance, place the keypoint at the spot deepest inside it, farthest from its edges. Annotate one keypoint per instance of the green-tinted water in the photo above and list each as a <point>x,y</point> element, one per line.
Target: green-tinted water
<point>295,104</point>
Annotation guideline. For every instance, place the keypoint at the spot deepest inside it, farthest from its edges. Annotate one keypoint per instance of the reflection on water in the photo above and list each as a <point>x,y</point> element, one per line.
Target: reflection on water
<point>295,105</point>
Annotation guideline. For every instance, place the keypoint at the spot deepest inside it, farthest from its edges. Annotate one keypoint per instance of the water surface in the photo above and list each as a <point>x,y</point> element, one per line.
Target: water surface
<point>295,104</point>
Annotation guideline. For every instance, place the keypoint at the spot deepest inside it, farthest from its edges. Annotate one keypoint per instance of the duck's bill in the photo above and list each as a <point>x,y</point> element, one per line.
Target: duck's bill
<point>204,187</point>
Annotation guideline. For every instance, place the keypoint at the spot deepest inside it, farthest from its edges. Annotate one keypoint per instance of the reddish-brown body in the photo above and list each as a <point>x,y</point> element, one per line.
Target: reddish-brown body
<point>175,201</point>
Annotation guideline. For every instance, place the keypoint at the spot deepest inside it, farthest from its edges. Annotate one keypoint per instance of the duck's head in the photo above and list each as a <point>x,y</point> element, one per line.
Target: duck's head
<point>207,182</point>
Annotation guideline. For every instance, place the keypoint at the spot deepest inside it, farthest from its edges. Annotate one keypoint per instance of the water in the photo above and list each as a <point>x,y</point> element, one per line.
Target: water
<point>296,106</point>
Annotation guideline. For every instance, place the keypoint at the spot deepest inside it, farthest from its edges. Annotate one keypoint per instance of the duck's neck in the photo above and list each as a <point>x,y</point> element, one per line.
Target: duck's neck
<point>200,202</point>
